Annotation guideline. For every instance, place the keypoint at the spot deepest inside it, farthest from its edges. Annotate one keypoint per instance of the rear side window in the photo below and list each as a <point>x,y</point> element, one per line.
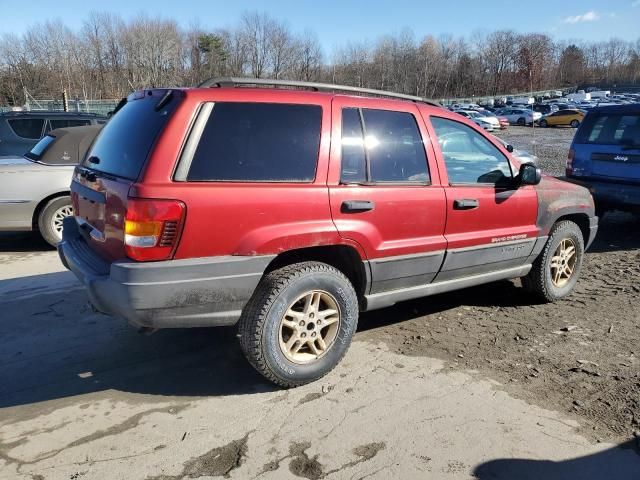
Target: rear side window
<point>609,129</point>
<point>27,127</point>
<point>258,142</point>
<point>64,123</point>
<point>125,142</point>
<point>382,146</point>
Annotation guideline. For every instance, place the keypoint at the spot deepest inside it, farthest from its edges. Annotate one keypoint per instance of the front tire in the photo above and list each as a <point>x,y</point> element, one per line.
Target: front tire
<point>574,124</point>
<point>544,124</point>
<point>51,217</point>
<point>557,268</point>
<point>521,122</point>
<point>299,323</point>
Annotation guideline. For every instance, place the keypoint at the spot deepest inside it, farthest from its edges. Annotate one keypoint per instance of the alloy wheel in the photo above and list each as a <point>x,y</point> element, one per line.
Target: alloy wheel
<point>58,217</point>
<point>563,262</point>
<point>309,327</point>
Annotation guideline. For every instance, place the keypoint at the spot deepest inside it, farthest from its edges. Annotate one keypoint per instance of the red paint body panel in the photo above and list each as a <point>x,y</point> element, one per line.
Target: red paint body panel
<point>407,219</point>
<point>228,218</point>
<point>107,218</point>
<point>501,212</point>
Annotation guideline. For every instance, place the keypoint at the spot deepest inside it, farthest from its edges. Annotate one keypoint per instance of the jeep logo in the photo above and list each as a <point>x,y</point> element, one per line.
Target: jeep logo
<point>621,158</point>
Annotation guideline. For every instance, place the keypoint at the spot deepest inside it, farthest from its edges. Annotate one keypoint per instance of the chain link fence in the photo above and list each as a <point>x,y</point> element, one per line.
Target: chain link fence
<point>100,107</point>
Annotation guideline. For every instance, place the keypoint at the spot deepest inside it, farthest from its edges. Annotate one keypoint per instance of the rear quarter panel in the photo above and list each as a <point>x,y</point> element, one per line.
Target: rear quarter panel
<point>232,218</point>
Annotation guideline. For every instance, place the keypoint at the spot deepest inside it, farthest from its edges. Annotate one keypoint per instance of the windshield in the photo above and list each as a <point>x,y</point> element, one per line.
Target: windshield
<point>39,148</point>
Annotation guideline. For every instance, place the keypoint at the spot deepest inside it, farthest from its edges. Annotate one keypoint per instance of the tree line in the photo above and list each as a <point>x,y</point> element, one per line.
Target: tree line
<point>108,57</point>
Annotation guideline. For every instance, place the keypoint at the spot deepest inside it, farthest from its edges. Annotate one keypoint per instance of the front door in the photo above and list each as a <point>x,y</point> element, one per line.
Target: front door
<point>385,190</point>
<point>491,224</point>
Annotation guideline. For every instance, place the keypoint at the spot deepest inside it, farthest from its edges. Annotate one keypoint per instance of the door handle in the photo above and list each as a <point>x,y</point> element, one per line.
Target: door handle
<point>355,206</point>
<point>466,204</point>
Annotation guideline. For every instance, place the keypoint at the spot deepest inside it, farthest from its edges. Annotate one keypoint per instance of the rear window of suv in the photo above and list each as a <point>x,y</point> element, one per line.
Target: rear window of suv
<point>609,129</point>
<point>125,142</point>
<point>27,127</point>
<point>258,142</point>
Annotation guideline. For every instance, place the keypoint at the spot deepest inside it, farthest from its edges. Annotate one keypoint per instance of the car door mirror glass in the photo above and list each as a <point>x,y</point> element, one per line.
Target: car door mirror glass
<point>530,174</point>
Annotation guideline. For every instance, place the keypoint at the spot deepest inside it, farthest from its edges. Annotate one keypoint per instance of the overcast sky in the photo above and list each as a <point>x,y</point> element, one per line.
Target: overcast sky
<point>338,21</point>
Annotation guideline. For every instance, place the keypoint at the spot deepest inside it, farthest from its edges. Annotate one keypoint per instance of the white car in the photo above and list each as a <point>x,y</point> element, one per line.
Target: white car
<point>520,116</point>
<point>488,123</point>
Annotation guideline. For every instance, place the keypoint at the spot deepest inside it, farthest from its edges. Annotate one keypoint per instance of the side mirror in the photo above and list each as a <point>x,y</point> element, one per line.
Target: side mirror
<point>530,174</point>
<point>509,148</point>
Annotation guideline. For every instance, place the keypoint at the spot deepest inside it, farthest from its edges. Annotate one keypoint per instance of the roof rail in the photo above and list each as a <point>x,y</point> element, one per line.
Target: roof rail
<point>314,86</point>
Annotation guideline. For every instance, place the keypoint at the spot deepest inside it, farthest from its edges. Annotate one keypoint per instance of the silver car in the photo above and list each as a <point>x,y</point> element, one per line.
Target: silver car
<point>34,188</point>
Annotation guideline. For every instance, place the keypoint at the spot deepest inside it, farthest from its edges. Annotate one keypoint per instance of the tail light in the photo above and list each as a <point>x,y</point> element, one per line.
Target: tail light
<point>152,228</point>
<point>569,166</point>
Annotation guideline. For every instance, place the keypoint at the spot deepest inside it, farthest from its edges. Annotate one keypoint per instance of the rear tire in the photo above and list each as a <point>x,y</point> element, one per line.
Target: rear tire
<point>574,124</point>
<point>521,122</point>
<point>51,217</point>
<point>555,272</point>
<point>287,330</point>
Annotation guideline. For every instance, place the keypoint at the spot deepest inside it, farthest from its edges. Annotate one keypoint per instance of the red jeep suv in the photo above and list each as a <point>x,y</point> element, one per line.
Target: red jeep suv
<point>288,208</point>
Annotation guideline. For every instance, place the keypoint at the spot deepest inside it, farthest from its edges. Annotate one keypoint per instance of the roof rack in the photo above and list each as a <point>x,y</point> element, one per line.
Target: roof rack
<point>314,86</point>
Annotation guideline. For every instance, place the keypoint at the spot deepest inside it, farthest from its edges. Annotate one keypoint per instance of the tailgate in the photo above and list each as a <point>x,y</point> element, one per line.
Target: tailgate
<point>621,166</point>
<point>100,207</point>
<point>101,184</point>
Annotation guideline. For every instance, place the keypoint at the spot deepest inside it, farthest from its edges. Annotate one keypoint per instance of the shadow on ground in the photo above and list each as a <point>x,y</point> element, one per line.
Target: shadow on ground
<point>53,347</point>
<point>619,463</point>
<point>23,242</point>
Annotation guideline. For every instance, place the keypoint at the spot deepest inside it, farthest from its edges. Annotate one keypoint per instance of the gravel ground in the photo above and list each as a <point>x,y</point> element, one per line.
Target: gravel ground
<point>580,355</point>
<point>551,145</point>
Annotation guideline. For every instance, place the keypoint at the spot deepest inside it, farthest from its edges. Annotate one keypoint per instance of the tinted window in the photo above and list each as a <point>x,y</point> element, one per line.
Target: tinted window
<point>469,157</point>
<point>125,142</point>
<point>610,129</point>
<point>353,162</point>
<point>39,148</point>
<point>258,142</point>
<point>27,127</point>
<point>64,123</point>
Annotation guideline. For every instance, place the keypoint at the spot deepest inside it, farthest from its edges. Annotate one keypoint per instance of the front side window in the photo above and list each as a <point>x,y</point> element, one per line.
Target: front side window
<point>27,127</point>
<point>469,157</point>
<point>382,146</point>
<point>258,142</point>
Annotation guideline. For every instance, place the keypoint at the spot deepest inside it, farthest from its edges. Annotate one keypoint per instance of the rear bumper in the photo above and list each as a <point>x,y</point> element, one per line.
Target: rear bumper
<point>623,196</point>
<point>199,292</point>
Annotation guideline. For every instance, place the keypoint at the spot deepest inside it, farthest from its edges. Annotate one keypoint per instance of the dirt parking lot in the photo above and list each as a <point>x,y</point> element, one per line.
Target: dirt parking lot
<point>480,383</point>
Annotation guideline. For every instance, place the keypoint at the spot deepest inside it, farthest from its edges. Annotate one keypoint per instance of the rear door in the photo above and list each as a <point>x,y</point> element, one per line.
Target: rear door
<point>491,225</point>
<point>100,186</point>
<point>385,190</point>
<point>607,147</point>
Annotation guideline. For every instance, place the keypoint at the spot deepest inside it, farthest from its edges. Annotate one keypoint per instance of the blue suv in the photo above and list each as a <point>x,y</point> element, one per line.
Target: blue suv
<point>605,157</point>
